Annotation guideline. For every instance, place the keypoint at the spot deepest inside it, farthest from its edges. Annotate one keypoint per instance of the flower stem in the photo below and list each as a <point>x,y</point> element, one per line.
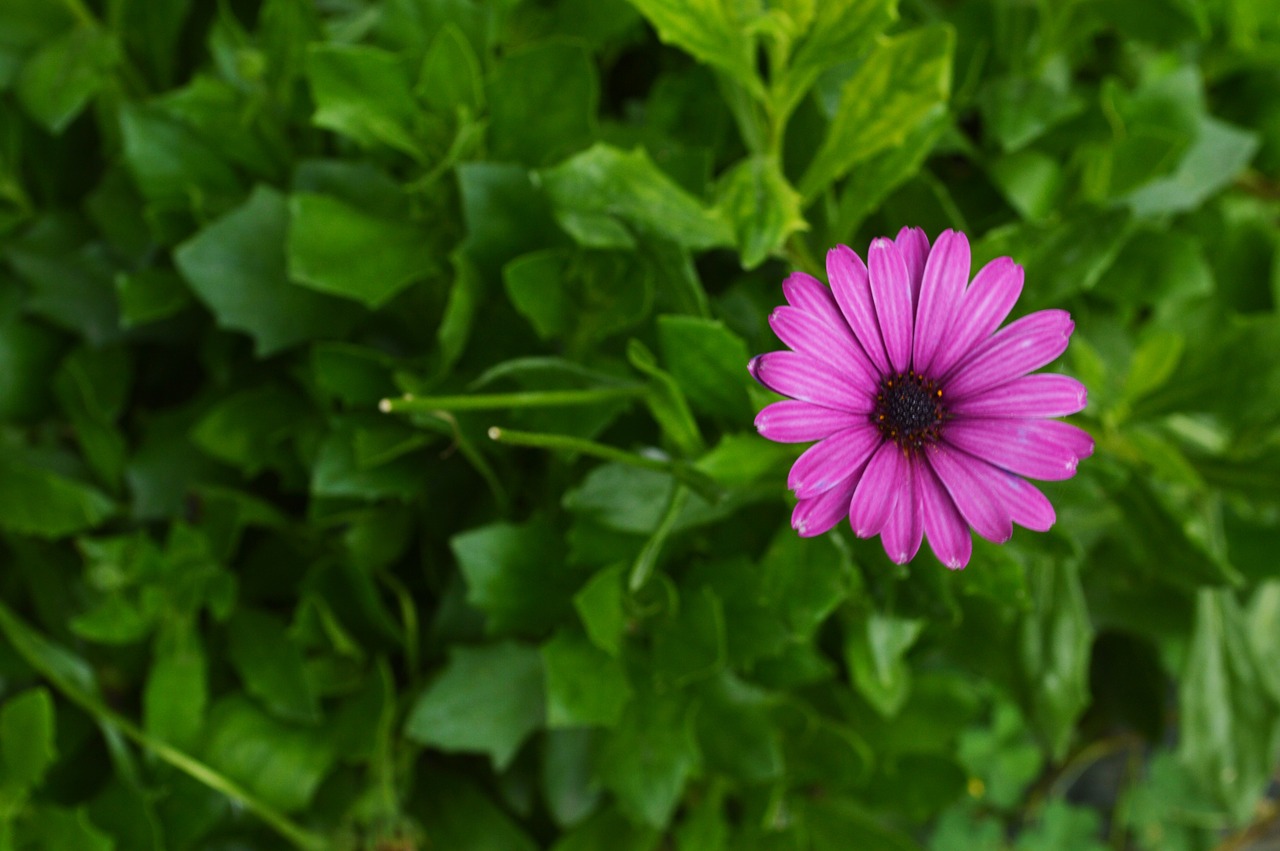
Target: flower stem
<point>695,479</point>
<point>527,399</point>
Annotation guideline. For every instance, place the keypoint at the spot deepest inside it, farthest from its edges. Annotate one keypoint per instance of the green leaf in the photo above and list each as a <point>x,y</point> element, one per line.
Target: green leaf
<point>585,685</point>
<point>58,827</point>
<point>176,695</point>
<point>1003,756</point>
<point>173,165</point>
<point>1062,827</point>
<point>761,206</point>
<point>691,644</point>
<point>92,387</point>
<point>1056,639</point>
<point>1227,718</point>
<point>569,784</point>
<point>736,732</point>
<point>610,829</point>
<point>647,758</point>
<point>487,700</point>
<point>27,747</point>
<point>57,83</point>
<point>1218,153</point>
<point>248,428</point>
<point>709,363</point>
<point>282,764</point>
<point>38,501</point>
<point>504,214</point>
<point>270,665</point>
<point>600,606</point>
<point>840,30</point>
<point>713,31</point>
<point>895,89</point>
<point>339,249</point>
<point>150,295</point>
<point>363,92</point>
<point>516,575</point>
<point>667,402</point>
<point>542,104</point>
<point>1167,550</point>
<point>1017,110</point>
<point>458,814</point>
<point>875,651</point>
<point>605,197</point>
<point>451,75</point>
<point>236,266</point>
<point>465,298</point>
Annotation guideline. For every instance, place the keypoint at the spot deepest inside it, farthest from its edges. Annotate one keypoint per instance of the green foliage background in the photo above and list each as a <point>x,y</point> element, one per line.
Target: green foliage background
<point>244,608</point>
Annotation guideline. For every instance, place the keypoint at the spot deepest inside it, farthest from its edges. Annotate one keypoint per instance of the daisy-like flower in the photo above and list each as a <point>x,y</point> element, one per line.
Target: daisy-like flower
<point>926,417</point>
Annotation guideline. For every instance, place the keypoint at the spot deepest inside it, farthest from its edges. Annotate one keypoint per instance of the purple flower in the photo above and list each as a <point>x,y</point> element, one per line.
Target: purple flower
<point>926,417</point>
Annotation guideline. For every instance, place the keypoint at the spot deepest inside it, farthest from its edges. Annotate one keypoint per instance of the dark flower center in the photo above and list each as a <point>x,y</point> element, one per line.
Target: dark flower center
<point>909,410</point>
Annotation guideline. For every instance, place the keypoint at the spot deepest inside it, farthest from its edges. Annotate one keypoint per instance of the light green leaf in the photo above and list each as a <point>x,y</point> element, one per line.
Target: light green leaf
<point>605,196</point>
<point>897,86</point>
<point>487,700</point>
<point>875,650</point>
<point>450,77</point>
<point>762,207</point>
<point>177,691</point>
<point>839,31</point>
<point>342,250</point>
<point>363,92</point>
<point>713,31</point>
<point>600,606</point>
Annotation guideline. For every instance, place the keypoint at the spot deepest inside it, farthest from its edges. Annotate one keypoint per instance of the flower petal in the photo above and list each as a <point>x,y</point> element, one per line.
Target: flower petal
<point>891,292</point>
<point>807,293</point>
<point>1039,449</point>
<point>945,276</point>
<point>830,461</point>
<point>850,286</point>
<point>914,247</point>
<point>801,422</point>
<point>904,529</point>
<point>944,526</point>
<point>1025,345</point>
<point>810,380</point>
<point>1026,505</point>
<point>1040,395</point>
<point>809,334</point>
<point>987,301</point>
<point>814,516</point>
<point>978,504</point>
<point>876,492</point>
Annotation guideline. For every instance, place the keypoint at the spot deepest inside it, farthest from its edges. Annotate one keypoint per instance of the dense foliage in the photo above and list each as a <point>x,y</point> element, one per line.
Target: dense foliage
<point>546,595</point>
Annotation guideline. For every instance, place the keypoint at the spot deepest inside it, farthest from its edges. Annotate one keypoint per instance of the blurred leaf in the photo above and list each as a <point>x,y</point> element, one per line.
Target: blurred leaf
<point>171,164</point>
<point>691,645</point>
<point>505,215</point>
<point>647,758</point>
<point>838,32</point>
<point>895,88</point>
<point>1056,640</point>
<point>149,295</point>
<point>1003,756</point>
<point>363,92</point>
<point>604,197</point>
<point>667,402</point>
<point>339,249</point>
<point>35,500</point>
<point>1063,827</point>
<point>600,607</point>
<point>270,665</point>
<point>871,180</point>
<point>57,827</point>
<point>284,765</point>
<point>488,700</point>
<point>59,80</point>
<point>1166,809</point>
<point>542,104</point>
<point>27,748</point>
<point>1167,550</point>
<point>450,77</point>
<point>176,696</point>
<point>736,732</point>
<point>236,266</point>
<point>585,685</point>
<point>875,651</point>
<point>1228,721</point>
<point>609,829</point>
<point>1218,153</point>
<point>1017,110</point>
<point>458,814</point>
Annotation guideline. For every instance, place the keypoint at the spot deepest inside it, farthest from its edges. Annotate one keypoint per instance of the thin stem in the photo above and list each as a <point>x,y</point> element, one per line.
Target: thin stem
<point>37,650</point>
<point>647,560</point>
<point>683,473</point>
<point>528,399</point>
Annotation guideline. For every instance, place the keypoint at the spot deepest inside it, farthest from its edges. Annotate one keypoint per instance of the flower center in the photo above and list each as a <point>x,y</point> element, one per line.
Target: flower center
<point>909,410</point>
